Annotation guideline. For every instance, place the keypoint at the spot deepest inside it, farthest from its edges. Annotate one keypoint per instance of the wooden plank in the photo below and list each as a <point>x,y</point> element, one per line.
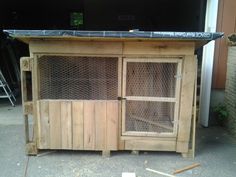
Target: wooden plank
<point>112,125</point>
<point>150,145</point>
<point>186,104</point>
<point>158,124</point>
<point>156,99</point>
<point>153,60</point>
<point>66,125</point>
<point>100,124</point>
<point>44,139</point>
<point>35,95</point>
<point>194,112</point>
<point>28,107</point>
<point>120,73</point>
<point>151,138</point>
<point>89,125</point>
<point>177,96</point>
<point>26,63</point>
<point>148,134</point>
<point>186,168</point>
<point>123,102</point>
<point>23,87</point>
<point>75,47</point>
<point>78,124</point>
<point>160,48</point>
<point>55,124</point>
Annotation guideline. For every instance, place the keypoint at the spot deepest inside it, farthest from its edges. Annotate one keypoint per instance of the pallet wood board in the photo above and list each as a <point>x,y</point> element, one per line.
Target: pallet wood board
<point>78,125</point>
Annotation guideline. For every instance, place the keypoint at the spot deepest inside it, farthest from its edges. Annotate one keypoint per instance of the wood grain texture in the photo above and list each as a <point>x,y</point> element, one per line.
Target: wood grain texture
<point>150,145</point>
<point>160,48</point>
<point>112,125</point>
<point>66,125</point>
<point>55,124</point>
<point>100,124</point>
<point>44,139</point>
<point>185,115</point>
<point>76,47</point>
<point>78,124</point>
<point>89,125</point>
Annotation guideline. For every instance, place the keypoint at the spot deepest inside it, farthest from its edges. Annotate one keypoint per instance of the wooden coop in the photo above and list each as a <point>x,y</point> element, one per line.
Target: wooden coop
<point>109,91</point>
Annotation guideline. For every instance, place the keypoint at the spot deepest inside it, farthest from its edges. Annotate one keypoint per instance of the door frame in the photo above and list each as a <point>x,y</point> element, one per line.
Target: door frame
<point>175,99</point>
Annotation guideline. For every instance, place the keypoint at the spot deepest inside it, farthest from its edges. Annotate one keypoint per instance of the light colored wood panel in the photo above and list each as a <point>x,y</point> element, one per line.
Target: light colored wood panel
<point>142,98</point>
<point>150,145</point>
<point>112,125</point>
<point>28,107</point>
<point>148,134</point>
<point>148,138</point>
<point>177,95</point>
<point>187,92</point>
<point>160,48</point>
<point>100,124</point>
<point>55,124</point>
<point>89,125</point>
<point>153,60</point>
<point>81,47</point>
<point>78,124</point>
<point>44,139</point>
<point>123,102</point>
<point>119,77</point>
<point>66,125</point>
<point>120,141</point>
<point>26,63</point>
<point>35,95</point>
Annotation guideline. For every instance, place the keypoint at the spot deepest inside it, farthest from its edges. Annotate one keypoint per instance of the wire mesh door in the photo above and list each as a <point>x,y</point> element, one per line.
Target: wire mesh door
<point>150,96</point>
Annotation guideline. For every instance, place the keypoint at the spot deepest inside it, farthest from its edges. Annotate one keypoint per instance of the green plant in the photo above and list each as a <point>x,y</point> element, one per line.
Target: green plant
<point>221,113</point>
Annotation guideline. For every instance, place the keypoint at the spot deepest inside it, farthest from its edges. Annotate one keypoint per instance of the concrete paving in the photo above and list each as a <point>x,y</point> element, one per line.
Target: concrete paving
<point>216,152</point>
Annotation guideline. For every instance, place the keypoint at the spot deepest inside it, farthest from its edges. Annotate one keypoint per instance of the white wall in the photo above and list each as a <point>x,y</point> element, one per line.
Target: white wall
<point>207,63</point>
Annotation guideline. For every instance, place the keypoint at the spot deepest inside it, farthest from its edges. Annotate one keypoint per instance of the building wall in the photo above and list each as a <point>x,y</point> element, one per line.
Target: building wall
<point>230,89</point>
<point>226,23</point>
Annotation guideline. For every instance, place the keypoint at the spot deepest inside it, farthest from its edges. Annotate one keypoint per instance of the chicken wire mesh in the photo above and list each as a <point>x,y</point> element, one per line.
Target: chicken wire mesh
<point>148,116</point>
<point>151,79</point>
<point>80,78</point>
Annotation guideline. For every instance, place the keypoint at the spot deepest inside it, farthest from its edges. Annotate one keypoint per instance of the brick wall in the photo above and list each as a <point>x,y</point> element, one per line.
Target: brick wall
<point>230,89</point>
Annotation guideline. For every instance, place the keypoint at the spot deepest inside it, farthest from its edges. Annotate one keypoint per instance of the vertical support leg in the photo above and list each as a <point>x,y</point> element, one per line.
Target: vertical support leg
<point>106,153</point>
<point>191,152</point>
<point>31,146</point>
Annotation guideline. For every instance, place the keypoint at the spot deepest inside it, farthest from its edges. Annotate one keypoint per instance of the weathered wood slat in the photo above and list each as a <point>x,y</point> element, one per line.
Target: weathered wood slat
<point>44,139</point>
<point>75,47</point>
<point>150,145</point>
<point>112,125</point>
<point>186,104</point>
<point>55,124</point>
<point>100,123</point>
<point>66,125</point>
<point>89,125</point>
<point>78,124</point>
<point>160,48</point>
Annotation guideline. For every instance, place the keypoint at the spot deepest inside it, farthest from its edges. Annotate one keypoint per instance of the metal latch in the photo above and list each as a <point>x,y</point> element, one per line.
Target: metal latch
<point>121,98</point>
<point>178,76</point>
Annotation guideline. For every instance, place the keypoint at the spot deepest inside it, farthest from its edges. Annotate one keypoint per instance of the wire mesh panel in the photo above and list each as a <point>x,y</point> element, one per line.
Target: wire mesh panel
<point>151,94</point>
<point>81,78</point>
<point>151,79</point>
<point>149,116</point>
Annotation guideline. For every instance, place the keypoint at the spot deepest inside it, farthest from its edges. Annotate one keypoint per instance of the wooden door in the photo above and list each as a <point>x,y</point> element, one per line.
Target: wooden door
<point>150,92</point>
